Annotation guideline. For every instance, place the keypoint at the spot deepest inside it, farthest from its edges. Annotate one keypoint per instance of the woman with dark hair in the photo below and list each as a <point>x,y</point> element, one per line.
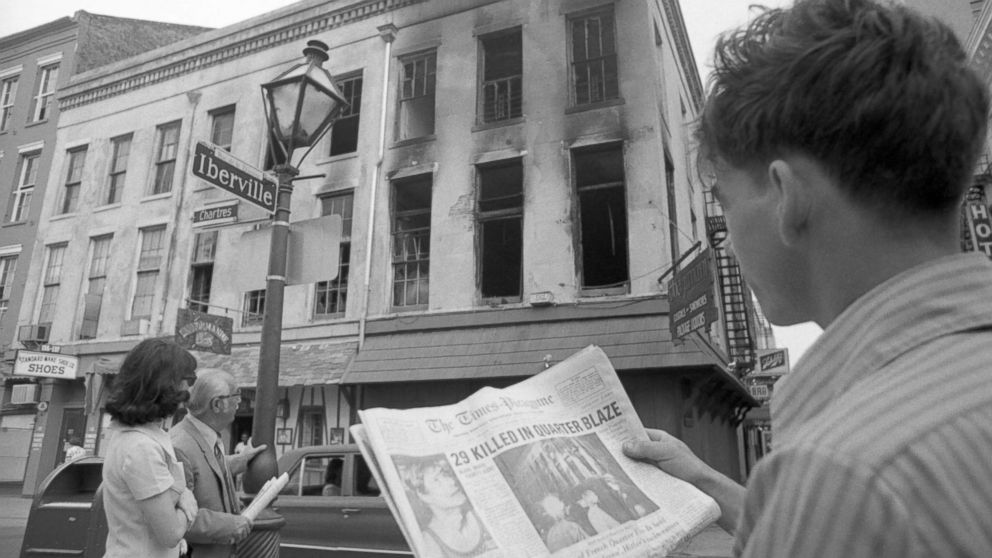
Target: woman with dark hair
<point>149,507</point>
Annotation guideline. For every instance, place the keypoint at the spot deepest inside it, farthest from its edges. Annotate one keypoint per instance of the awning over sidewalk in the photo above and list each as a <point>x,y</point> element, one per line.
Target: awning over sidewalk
<point>520,342</point>
<point>300,364</point>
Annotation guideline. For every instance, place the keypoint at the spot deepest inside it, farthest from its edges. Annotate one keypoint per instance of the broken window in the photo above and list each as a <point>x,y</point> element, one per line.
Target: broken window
<point>417,84</point>
<point>502,77</point>
<point>344,133</point>
<point>331,296</point>
<point>673,214</point>
<point>202,270</point>
<point>254,308</point>
<point>594,58</point>
<point>599,180</point>
<point>411,240</point>
<point>500,216</point>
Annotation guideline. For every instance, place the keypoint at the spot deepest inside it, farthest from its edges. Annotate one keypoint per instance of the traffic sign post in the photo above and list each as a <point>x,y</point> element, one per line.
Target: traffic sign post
<point>221,169</point>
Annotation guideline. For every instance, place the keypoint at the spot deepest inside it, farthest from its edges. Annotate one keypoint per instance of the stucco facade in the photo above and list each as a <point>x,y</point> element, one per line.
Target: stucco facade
<point>34,64</point>
<point>553,142</point>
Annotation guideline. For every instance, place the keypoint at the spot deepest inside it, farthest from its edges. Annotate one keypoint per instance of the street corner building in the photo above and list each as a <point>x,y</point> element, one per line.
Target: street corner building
<point>509,182</point>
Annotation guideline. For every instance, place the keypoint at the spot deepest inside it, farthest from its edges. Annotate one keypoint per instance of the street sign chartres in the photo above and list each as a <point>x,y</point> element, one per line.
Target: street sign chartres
<point>221,169</point>
<point>691,305</point>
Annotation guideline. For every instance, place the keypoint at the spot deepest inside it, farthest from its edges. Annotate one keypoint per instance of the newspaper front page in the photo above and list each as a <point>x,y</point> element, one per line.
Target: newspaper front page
<point>534,469</point>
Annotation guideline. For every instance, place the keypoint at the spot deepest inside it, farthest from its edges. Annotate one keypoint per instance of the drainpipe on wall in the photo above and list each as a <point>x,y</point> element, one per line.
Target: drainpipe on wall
<point>387,33</point>
<point>194,99</point>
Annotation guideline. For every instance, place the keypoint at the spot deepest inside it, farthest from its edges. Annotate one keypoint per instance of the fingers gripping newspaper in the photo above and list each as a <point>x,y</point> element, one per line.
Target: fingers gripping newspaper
<point>534,469</point>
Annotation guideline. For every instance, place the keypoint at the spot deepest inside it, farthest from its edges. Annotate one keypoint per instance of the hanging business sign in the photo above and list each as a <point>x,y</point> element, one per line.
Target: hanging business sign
<point>221,169</point>
<point>980,226</point>
<point>771,362</point>
<point>692,305</point>
<point>200,331</point>
<point>45,365</point>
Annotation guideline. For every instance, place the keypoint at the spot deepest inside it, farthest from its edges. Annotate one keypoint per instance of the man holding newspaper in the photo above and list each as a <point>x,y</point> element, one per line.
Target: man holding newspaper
<point>530,470</point>
<point>210,473</point>
<point>842,135</point>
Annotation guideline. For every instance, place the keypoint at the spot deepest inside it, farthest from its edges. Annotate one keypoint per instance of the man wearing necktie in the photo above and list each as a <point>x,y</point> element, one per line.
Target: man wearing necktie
<point>218,526</point>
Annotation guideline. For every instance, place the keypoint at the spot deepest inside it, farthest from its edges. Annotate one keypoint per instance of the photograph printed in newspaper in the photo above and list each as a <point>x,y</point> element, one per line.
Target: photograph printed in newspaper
<point>534,469</point>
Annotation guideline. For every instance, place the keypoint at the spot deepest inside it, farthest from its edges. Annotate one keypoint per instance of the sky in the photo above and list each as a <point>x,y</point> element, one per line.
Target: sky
<point>705,19</point>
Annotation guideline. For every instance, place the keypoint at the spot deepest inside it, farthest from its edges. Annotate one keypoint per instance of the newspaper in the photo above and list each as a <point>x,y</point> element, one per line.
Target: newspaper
<point>534,469</point>
<point>269,491</point>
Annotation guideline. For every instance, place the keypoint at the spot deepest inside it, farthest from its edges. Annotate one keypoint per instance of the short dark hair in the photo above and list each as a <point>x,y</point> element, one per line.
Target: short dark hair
<point>880,95</point>
<point>147,388</point>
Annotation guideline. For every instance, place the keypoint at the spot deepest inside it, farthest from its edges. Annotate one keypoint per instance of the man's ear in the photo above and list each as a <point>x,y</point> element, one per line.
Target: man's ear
<point>794,199</point>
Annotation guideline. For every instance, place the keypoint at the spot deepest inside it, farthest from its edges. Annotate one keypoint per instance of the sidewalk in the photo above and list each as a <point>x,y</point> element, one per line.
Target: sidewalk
<point>14,510</point>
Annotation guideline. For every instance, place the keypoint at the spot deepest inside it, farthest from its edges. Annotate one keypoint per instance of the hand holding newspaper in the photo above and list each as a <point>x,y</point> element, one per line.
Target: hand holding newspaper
<point>265,495</point>
<point>534,469</point>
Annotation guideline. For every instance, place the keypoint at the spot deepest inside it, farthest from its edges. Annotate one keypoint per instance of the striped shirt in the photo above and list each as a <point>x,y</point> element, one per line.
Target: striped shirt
<point>883,432</point>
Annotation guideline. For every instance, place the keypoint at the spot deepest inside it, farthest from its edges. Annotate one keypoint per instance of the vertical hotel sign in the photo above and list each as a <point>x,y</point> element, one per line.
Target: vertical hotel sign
<point>980,226</point>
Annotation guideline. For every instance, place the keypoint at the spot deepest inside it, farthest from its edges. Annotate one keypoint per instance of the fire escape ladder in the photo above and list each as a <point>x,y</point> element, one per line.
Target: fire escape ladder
<point>733,294</point>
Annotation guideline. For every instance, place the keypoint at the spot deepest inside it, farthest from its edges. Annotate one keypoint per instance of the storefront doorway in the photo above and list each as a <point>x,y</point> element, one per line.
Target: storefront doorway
<point>73,427</point>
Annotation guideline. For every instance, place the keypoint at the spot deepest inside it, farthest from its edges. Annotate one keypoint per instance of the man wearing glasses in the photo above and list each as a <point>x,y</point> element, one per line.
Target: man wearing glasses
<point>213,402</point>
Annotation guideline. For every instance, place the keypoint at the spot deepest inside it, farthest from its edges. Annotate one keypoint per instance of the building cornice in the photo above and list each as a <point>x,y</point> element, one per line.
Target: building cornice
<point>674,15</point>
<point>217,47</point>
<point>45,29</point>
<point>979,43</point>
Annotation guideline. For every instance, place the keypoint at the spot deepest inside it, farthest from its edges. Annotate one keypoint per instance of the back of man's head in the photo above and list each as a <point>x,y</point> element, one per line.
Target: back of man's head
<point>878,94</point>
<point>210,383</point>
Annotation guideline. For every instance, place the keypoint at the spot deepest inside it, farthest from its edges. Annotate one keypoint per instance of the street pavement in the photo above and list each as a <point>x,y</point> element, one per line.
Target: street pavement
<point>14,510</point>
<point>712,542</point>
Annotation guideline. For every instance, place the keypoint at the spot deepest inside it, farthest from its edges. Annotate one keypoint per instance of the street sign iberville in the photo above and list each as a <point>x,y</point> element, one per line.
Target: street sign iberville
<point>691,305</point>
<point>221,169</point>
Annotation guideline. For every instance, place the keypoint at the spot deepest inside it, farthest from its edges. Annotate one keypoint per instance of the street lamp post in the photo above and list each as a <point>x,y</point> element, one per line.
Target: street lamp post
<point>301,104</point>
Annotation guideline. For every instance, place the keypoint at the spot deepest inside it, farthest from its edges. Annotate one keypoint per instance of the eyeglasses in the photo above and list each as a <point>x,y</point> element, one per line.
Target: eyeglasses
<point>228,396</point>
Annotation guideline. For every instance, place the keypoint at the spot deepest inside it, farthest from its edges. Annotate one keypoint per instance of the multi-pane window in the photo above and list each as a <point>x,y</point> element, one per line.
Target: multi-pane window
<point>500,94</point>
<point>500,216</point>
<point>202,270</point>
<point>411,240</point>
<point>673,215</point>
<point>73,179</point>
<point>8,264</point>
<point>20,195</point>
<point>44,101</point>
<point>312,427</point>
<point>417,84</point>
<point>118,168</point>
<point>149,265</point>
<point>166,147</point>
<point>254,308</point>
<point>8,91</point>
<point>97,283</point>
<point>344,134</point>
<point>594,57</point>
<point>599,181</point>
<point>331,296</point>
<point>51,282</point>
<point>222,127</point>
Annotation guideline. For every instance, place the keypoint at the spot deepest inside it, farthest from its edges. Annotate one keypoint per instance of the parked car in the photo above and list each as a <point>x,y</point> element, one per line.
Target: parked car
<point>352,520</point>
<point>348,520</point>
